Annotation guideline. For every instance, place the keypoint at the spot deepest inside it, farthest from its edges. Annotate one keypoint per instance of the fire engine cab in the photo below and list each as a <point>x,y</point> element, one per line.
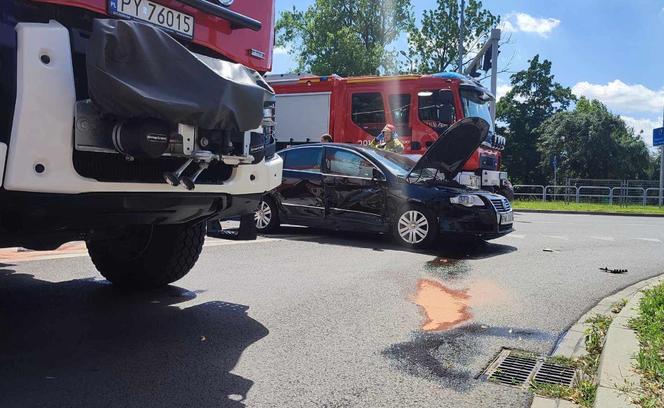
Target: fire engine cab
<point>421,107</point>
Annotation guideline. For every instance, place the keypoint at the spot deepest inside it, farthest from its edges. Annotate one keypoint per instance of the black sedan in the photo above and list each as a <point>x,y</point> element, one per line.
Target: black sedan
<point>355,188</point>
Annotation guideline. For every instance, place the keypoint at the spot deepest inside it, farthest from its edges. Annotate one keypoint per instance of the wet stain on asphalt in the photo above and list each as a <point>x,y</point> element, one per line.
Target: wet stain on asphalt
<point>443,307</point>
<point>422,357</point>
<point>445,357</point>
<point>480,250</point>
<point>447,268</point>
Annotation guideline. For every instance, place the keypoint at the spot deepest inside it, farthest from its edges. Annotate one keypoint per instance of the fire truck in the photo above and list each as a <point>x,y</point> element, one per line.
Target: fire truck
<point>421,107</point>
<point>130,123</point>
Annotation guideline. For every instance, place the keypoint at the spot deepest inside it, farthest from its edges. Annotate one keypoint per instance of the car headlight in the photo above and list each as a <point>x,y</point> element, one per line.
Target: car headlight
<point>467,200</point>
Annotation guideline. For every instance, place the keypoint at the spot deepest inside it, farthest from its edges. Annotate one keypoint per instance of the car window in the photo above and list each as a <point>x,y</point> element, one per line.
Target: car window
<point>347,163</point>
<point>368,112</point>
<point>400,107</point>
<point>307,159</point>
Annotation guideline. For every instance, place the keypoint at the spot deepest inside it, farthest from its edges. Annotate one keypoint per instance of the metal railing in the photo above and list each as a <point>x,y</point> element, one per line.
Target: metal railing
<point>588,193</point>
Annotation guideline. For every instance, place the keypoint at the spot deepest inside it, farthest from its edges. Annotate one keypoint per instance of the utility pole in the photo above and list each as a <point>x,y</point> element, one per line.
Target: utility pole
<point>661,168</point>
<point>461,34</point>
<point>495,40</point>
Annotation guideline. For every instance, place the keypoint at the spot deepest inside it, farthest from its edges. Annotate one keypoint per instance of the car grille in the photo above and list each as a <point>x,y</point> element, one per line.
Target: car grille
<point>501,204</point>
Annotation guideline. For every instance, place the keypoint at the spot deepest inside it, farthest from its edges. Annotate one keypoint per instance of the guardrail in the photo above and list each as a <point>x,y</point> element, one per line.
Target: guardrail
<point>610,195</point>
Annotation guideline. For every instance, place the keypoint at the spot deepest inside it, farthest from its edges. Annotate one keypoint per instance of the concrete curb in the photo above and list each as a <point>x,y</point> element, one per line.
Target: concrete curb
<point>616,359</point>
<point>616,362</point>
<point>518,210</point>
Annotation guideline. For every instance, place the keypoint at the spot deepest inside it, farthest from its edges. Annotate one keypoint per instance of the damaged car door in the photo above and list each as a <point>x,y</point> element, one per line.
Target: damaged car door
<point>354,191</point>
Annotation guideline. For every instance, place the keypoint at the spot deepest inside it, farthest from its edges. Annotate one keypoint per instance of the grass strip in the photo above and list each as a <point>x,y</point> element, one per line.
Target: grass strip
<point>649,328</point>
<point>586,207</point>
<point>584,391</point>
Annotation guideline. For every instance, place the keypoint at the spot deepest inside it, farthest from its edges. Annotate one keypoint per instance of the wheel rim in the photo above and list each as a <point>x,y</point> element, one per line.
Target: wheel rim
<point>413,227</point>
<point>263,215</point>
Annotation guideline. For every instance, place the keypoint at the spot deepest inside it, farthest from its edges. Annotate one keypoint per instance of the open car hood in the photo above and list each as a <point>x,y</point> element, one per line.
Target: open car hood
<point>454,147</point>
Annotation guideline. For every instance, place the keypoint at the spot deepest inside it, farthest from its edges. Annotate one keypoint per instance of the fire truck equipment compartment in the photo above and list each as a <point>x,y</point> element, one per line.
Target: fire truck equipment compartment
<point>136,70</point>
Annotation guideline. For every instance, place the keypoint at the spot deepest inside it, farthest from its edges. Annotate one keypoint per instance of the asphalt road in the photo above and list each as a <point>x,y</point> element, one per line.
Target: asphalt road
<point>304,319</point>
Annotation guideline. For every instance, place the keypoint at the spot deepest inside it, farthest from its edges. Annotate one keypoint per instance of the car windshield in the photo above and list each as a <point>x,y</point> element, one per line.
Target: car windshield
<point>474,105</point>
<point>401,165</point>
<point>397,164</point>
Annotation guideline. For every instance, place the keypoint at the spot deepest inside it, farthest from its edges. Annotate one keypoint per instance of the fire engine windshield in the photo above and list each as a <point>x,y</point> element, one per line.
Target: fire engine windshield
<point>476,104</point>
<point>436,109</point>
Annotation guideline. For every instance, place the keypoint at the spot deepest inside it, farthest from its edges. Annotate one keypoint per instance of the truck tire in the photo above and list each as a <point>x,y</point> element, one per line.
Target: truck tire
<point>507,191</point>
<point>146,257</point>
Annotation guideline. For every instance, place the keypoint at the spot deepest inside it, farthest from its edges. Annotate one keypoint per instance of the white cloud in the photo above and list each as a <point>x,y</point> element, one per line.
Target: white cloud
<point>280,51</point>
<point>502,90</point>
<point>522,22</point>
<point>643,124</point>
<point>623,97</point>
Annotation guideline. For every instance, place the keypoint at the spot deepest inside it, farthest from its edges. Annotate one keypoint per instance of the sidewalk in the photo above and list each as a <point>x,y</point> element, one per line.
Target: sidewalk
<point>17,254</point>
<point>615,373</point>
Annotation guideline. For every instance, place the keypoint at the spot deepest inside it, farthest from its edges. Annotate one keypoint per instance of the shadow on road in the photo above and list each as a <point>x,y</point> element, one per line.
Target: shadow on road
<point>82,343</point>
<point>449,248</point>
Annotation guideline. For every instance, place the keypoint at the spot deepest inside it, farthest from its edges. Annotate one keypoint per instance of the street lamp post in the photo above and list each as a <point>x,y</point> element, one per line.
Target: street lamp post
<point>461,34</point>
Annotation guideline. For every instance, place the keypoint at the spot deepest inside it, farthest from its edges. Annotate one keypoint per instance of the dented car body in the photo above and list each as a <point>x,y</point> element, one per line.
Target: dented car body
<point>346,187</point>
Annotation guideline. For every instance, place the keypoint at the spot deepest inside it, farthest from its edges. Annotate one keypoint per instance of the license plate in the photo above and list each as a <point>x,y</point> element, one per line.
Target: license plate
<point>506,218</point>
<point>154,13</point>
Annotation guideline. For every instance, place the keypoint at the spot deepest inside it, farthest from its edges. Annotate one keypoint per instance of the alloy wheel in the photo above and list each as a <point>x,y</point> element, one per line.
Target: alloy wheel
<point>263,215</point>
<point>413,227</point>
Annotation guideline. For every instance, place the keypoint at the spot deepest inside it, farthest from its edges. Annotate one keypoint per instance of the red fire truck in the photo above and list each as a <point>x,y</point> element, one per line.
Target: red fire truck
<point>421,107</point>
<point>130,123</point>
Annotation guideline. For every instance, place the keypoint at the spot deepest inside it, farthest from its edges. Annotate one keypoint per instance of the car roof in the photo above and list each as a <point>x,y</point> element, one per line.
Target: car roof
<point>318,144</point>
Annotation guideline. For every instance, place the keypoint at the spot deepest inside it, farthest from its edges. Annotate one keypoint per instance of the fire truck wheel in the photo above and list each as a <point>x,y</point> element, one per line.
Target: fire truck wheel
<point>415,227</point>
<point>146,257</point>
<point>267,216</point>
<point>507,192</point>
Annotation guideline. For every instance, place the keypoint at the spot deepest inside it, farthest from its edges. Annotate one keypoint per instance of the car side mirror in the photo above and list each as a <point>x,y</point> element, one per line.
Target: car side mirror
<point>377,175</point>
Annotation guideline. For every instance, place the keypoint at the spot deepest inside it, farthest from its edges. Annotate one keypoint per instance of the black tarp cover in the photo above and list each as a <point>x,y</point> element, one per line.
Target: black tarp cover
<point>136,70</point>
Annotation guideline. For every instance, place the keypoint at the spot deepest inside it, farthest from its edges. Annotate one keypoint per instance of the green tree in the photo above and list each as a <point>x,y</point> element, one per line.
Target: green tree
<point>345,37</point>
<point>534,97</point>
<point>433,47</point>
<point>591,142</point>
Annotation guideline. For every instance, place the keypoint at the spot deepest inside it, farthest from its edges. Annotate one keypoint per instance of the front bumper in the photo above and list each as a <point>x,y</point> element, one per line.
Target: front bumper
<point>39,155</point>
<point>473,222</point>
<point>26,217</point>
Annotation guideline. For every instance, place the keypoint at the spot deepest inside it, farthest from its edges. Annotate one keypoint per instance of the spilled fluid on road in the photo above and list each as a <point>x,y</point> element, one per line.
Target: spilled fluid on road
<point>443,307</point>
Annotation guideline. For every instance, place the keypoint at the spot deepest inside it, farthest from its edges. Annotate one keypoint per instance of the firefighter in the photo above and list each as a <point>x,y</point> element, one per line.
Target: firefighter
<point>387,140</point>
<point>326,138</point>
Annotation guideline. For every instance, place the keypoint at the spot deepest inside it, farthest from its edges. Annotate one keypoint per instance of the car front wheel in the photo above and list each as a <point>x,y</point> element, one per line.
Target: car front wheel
<point>267,217</point>
<point>416,227</point>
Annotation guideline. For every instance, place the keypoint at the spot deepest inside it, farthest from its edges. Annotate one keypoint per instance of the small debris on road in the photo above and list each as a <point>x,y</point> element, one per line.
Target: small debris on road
<point>616,271</point>
<point>549,250</point>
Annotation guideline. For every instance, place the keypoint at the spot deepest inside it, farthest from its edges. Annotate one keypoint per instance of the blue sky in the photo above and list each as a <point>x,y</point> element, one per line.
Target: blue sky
<point>611,50</point>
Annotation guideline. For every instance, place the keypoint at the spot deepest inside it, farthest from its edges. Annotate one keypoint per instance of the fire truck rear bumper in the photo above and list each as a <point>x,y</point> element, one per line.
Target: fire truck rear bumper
<point>493,178</point>
<point>488,178</point>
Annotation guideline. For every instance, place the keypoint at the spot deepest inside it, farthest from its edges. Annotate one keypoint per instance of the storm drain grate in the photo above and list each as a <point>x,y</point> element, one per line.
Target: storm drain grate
<point>520,368</point>
<point>555,374</point>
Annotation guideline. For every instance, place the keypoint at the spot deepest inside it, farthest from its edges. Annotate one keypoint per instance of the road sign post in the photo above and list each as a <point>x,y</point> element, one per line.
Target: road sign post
<point>658,140</point>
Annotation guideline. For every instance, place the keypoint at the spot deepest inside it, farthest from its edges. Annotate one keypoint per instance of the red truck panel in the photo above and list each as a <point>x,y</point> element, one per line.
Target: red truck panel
<point>216,33</point>
<point>343,128</point>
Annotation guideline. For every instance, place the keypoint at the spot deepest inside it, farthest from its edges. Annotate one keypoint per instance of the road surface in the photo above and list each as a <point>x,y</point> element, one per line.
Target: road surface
<point>310,319</point>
